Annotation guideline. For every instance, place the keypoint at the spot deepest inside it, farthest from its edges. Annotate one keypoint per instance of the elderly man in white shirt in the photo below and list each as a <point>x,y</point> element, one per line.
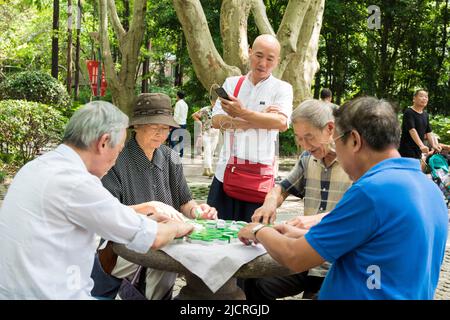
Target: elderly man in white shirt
<point>177,135</point>
<point>56,205</point>
<point>262,109</point>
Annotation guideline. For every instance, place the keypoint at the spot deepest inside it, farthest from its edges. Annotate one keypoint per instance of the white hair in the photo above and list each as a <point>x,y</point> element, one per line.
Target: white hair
<point>93,120</point>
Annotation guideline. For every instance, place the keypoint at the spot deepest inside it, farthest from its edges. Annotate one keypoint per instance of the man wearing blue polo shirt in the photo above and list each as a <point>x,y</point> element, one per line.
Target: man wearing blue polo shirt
<point>386,237</point>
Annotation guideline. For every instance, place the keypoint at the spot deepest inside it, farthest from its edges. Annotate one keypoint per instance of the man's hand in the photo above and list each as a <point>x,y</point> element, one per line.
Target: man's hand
<point>168,211</point>
<point>424,149</point>
<point>305,222</point>
<point>246,235</point>
<point>204,211</point>
<point>265,214</point>
<point>437,147</point>
<point>233,107</point>
<point>159,217</point>
<point>182,228</point>
<point>273,109</point>
<point>290,231</point>
<point>145,208</point>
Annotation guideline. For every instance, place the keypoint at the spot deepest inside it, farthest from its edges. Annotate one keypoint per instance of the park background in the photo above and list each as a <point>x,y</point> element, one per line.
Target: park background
<point>383,48</point>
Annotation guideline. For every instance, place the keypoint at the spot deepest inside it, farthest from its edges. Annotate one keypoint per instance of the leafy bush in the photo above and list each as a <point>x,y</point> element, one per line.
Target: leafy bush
<point>441,126</point>
<point>36,86</point>
<point>27,127</point>
<point>287,144</point>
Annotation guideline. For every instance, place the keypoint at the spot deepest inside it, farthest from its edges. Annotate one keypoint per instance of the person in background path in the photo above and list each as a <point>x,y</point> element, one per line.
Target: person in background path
<point>210,137</point>
<point>327,96</point>
<point>416,128</point>
<point>177,135</point>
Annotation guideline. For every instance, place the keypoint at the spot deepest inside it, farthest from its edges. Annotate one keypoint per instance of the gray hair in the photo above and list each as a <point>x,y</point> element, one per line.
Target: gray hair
<point>317,113</point>
<point>92,121</point>
<point>374,119</point>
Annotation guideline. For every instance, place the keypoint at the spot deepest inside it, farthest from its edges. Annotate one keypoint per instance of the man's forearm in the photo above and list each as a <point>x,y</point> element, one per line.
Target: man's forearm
<point>186,209</point>
<point>432,140</point>
<point>416,138</point>
<point>256,120</point>
<point>225,122</point>
<point>262,120</point>
<point>275,197</point>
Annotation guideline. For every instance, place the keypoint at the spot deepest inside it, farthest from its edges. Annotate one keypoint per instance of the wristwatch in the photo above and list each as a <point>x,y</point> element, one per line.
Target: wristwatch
<point>256,228</point>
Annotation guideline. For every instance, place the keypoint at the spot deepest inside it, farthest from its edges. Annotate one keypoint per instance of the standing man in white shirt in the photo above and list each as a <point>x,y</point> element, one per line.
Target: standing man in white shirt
<point>180,113</point>
<point>261,110</point>
<point>56,205</point>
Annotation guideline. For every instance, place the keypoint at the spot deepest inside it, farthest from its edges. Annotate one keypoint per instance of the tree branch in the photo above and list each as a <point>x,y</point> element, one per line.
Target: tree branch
<point>208,64</point>
<point>104,45</point>
<point>261,20</point>
<point>233,28</point>
<point>132,42</point>
<point>290,26</point>
<point>117,26</point>
<point>303,64</point>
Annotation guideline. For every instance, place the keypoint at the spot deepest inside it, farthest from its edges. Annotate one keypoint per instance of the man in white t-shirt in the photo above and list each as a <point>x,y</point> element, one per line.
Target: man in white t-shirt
<point>261,111</point>
<point>180,113</point>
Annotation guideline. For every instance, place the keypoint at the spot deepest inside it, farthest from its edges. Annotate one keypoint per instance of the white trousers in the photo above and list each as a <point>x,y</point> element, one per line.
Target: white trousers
<point>210,139</point>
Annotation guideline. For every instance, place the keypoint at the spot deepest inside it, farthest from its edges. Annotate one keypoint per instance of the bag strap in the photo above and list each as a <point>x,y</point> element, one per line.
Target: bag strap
<point>138,275</point>
<point>235,93</point>
<point>238,86</point>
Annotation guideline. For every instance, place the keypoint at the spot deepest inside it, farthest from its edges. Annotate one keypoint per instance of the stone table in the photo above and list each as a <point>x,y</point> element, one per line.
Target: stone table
<point>195,289</point>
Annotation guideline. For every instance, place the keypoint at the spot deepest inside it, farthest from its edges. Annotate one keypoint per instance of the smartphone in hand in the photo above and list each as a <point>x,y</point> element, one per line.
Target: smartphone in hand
<point>222,93</point>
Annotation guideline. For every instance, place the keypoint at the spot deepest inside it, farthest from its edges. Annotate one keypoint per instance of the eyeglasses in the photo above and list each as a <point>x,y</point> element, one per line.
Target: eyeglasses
<point>156,129</point>
<point>342,135</point>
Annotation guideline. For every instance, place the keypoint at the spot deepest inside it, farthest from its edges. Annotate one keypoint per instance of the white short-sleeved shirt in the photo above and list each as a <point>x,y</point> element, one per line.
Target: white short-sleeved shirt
<point>256,145</point>
<point>180,112</point>
<point>48,221</point>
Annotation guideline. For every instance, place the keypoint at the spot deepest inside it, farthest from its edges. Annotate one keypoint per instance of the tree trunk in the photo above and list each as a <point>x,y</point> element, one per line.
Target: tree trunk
<point>233,28</point>
<point>303,64</point>
<point>208,64</point>
<point>77,51</point>
<point>126,15</point>
<point>55,49</point>
<point>69,47</point>
<point>122,83</point>
<point>146,66</point>
<point>289,32</point>
<point>298,35</point>
<point>178,79</point>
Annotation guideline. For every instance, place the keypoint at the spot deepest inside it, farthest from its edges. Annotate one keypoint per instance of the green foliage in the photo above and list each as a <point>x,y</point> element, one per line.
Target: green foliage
<point>26,128</point>
<point>409,51</point>
<point>287,146</point>
<point>36,86</point>
<point>25,30</point>
<point>441,127</point>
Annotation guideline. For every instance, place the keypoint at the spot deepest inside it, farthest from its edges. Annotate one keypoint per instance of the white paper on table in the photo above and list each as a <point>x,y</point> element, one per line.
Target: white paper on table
<point>215,264</point>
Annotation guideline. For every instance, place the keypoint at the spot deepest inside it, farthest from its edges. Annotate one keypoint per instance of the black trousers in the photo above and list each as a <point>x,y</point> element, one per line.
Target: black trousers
<point>177,140</point>
<point>281,287</point>
<point>229,208</point>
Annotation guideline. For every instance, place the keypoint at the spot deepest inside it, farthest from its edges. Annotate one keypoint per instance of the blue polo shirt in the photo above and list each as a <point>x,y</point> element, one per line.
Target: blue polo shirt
<point>386,237</point>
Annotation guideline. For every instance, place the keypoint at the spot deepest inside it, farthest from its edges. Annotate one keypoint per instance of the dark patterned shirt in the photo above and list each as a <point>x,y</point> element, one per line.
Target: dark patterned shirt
<point>134,179</point>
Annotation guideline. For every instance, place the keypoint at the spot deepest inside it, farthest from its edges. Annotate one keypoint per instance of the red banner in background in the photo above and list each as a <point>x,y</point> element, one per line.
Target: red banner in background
<point>92,67</point>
